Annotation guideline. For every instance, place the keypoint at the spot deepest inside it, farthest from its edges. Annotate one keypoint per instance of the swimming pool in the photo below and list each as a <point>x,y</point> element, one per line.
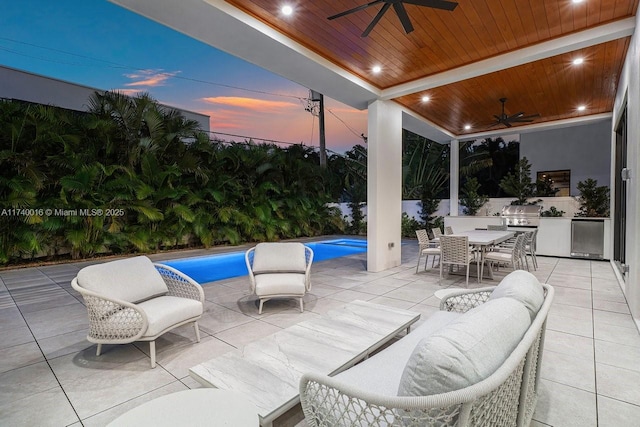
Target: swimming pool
<point>231,264</point>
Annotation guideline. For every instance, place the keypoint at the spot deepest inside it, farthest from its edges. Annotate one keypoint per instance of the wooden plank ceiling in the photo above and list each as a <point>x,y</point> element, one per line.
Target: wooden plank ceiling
<point>475,30</point>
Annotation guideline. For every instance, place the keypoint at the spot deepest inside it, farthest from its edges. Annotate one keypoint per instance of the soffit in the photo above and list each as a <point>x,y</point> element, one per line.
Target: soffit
<point>476,31</point>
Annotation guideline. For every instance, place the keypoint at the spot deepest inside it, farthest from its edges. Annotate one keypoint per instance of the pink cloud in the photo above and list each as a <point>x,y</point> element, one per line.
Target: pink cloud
<point>150,78</point>
<point>249,103</point>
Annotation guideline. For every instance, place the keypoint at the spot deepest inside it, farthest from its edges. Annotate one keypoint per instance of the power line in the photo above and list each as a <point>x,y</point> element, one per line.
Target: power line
<point>344,123</point>
<point>116,65</point>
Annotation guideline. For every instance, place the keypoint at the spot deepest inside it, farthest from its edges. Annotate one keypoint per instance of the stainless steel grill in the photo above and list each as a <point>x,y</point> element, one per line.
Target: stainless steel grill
<point>521,216</point>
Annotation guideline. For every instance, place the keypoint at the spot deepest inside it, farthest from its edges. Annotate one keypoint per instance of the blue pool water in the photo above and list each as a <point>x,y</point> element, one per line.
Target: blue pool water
<point>223,266</point>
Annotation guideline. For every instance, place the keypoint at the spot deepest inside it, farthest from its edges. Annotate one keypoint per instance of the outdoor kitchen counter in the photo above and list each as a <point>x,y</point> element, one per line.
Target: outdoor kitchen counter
<point>554,233</point>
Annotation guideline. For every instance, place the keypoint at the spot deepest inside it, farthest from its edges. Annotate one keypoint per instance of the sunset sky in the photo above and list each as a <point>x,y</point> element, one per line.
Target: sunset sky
<point>98,44</point>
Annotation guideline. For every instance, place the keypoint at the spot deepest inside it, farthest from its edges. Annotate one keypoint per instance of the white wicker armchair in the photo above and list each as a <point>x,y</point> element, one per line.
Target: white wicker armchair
<point>135,300</point>
<point>506,398</point>
<point>279,270</point>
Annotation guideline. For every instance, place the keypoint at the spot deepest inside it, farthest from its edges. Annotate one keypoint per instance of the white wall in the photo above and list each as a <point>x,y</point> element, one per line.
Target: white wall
<point>412,207</point>
<point>629,88</point>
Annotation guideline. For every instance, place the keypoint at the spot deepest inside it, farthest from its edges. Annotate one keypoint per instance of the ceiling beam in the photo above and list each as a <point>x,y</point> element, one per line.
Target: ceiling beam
<point>597,35</point>
<point>537,127</point>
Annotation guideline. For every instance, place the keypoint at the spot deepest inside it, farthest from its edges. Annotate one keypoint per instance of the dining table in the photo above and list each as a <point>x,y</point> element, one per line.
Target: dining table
<point>484,239</point>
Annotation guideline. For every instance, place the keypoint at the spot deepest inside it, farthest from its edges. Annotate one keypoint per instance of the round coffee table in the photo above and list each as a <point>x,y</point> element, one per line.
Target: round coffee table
<point>199,407</point>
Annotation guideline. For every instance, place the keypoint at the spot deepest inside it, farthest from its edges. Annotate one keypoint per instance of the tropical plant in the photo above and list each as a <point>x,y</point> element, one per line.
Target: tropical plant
<point>552,212</point>
<point>409,225</point>
<point>494,158</point>
<point>471,199</point>
<point>518,184</point>
<point>594,199</point>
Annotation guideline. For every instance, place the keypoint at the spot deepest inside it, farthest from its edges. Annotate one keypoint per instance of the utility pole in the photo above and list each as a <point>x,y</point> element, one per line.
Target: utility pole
<point>319,98</point>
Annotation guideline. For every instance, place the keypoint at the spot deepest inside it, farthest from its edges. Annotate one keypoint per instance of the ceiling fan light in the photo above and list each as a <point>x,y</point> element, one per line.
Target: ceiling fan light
<point>376,69</point>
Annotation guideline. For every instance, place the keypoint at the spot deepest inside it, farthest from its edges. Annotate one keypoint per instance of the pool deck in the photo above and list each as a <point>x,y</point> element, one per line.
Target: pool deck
<point>50,376</point>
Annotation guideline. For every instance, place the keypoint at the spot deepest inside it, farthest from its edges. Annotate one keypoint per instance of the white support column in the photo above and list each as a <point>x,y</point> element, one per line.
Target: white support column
<point>454,176</point>
<point>384,185</point>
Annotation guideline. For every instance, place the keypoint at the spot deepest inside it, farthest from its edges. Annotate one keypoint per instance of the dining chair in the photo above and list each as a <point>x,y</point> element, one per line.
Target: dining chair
<point>513,257</point>
<point>436,232</point>
<point>455,250</point>
<point>492,227</point>
<point>530,247</point>
<point>426,247</point>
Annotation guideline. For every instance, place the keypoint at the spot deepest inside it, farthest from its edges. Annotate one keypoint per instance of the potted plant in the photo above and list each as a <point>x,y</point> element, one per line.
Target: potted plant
<point>594,199</point>
<point>471,200</point>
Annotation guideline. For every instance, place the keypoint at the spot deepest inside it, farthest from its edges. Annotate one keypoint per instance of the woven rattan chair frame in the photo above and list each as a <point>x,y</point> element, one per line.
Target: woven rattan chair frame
<point>428,248</point>
<point>248,258</point>
<point>114,321</point>
<point>506,398</point>
<point>448,230</point>
<point>455,250</point>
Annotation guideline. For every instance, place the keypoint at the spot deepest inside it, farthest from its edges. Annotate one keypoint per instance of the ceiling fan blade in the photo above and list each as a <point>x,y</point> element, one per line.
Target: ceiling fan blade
<point>507,124</point>
<point>515,116</point>
<point>355,9</point>
<point>377,18</point>
<point>404,18</point>
<point>525,118</point>
<point>435,4</point>
<point>523,121</point>
<point>498,118</point>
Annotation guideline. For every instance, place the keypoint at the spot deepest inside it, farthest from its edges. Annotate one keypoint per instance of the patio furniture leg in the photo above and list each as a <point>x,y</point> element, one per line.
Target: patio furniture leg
<point>467,276</point>
<point>419,255</point>
<point>195,326</point>
<point>99,350</point>
<point>301,306</point>
<point>260,308</point>
<point>152,353</point>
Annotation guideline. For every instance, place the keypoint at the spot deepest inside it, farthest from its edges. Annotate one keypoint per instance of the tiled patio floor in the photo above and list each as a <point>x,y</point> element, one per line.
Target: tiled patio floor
<point>50,376</point>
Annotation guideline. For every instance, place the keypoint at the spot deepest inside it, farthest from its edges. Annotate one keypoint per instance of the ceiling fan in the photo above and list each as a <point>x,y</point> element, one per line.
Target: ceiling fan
<point>398,6</point>
<point>503,119</point>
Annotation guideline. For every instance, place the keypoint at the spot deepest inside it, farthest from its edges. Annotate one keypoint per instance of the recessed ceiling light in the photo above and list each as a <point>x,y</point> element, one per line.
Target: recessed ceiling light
<point>425,99</point>
<point>577,1</point>
<point>467,127</point>
<point>578,61</point>
<point>286,10</point>
<point>376,69</point>
<point>582,108</point>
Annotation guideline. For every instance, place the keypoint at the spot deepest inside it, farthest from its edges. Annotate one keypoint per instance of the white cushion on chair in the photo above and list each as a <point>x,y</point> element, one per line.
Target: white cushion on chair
<point>287,257</point>
<point>467,350</point>
<point>132,279</point>
<point>167,311</point>
<point>280,284</point>
<point>524,287</point>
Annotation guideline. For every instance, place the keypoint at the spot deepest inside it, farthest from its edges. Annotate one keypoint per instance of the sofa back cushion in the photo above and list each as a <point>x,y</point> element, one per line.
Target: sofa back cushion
<point>279,257</point>
<point>132,279</point>
<point>467,350</point>
<point>524,287</point>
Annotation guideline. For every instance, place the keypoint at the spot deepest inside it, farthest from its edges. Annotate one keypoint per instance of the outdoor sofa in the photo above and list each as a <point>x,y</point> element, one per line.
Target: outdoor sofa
<point>476,362</point>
